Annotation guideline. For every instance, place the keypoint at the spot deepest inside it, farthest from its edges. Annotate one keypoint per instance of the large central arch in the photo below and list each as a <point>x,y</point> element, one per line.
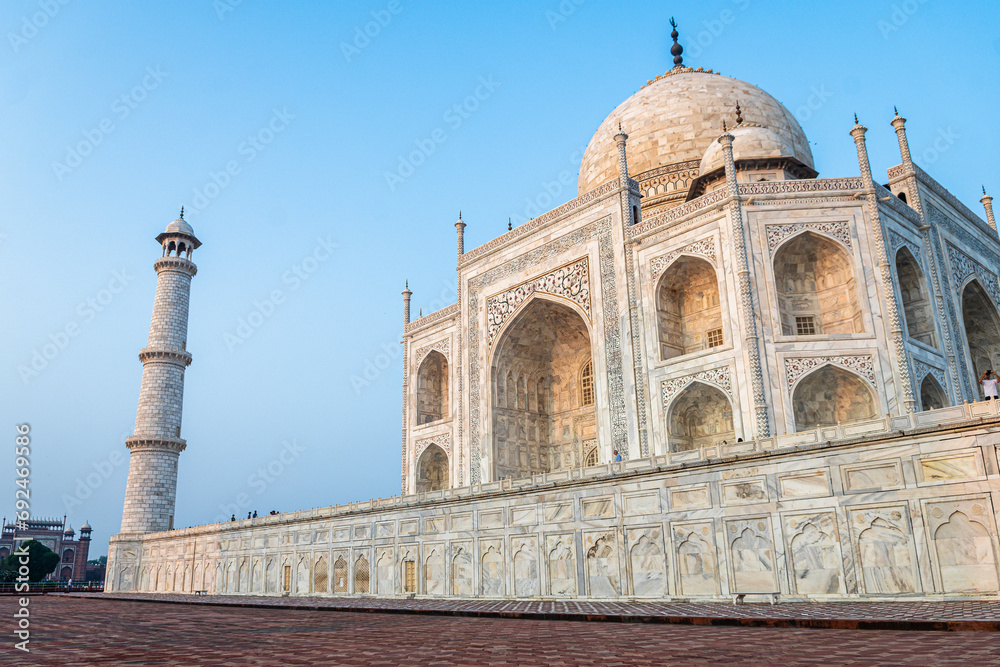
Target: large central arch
<point>817,295</point>
<point>542,391</point>
<point>982,329</point>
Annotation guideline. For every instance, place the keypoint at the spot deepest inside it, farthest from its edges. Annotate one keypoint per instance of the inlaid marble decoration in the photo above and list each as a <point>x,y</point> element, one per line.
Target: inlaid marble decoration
<point>443,441</point>
<point>777,233</point>
<point>862,364</point>
<point>704,247</point>
<point>897,241</point>
<point>922,369</point>
<point>571,282</point>
<point>719,377</point>
<point>963,266</point>
<point>442,346</point>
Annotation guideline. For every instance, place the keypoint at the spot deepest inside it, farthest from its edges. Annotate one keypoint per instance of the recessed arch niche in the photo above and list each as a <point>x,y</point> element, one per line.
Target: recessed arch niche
<point>932,395</point>
<point>917,309</point>
<point>544,345</point>
<point>432,388</point>
<point>688,309</point>
<point>817,291</point>
<point>432,470</point>
<point>701,415</point>
<point>831,395</point>
<point>982,329</point>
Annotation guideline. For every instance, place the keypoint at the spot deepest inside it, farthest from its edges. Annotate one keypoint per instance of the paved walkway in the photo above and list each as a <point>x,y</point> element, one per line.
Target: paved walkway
<point>923,615</point>
<point>101,631</point>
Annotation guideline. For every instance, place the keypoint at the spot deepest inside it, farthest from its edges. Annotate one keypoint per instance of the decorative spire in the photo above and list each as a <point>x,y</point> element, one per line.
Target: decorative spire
<point>739,113</point>
<point>459,215</point>
<point>676,50</point>
<point>984,190</point>
<point>895,110</point>
<point>182,212</point>
<point>856,118</point>
<point>724,128</point>
<point>509,226</point>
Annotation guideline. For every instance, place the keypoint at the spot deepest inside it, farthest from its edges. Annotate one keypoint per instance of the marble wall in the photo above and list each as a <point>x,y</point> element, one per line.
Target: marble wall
<point>873,513</point>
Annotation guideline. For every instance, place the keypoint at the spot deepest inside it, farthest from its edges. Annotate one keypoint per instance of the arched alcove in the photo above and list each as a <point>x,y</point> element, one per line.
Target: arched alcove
<point>432,470</point>
<point>932,396</point>
<point>831,395</point>
<point>688,311</point>
<point>917,308</point>
<point>432,388</point>
<point>814,278</point>
<point>982,329</point>
<point>701,415</point>
<point>546,345</point>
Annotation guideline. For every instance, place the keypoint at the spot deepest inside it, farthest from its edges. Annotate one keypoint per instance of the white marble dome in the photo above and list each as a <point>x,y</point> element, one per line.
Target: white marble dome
<point>749,142</point>
<point>180,226</point>
<point>677,117</point>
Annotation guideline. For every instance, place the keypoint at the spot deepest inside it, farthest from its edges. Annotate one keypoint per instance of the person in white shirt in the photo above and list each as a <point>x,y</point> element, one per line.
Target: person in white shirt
<point>989,382</point>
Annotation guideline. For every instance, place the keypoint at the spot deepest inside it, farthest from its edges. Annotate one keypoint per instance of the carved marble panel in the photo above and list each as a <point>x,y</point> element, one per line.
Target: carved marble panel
<point>747,491</point>
<point>491,568</point>
<point>384,570</point>
<point>435,582</point>
<point>560,560</point>
<point>694,552</point>
<point>461,521</point>
<point>776,234</point>
<point>461,569</point>
<point>950,467</point>
<point>874,476</point>
<point>524,552</point>
<point>704,247</point>
<point>962,533</point>
<point>804,484</point>
<point>813,546</point>
<point>861,364</point>
<point>490,519</point>
<point>883,542</point>
<point>603,571</point>
<point>751,555</point>
<point>558,512</point>
<point>692,497</point>
<point>644,502</point>
<point>598,508</point>
<point>648,561</point>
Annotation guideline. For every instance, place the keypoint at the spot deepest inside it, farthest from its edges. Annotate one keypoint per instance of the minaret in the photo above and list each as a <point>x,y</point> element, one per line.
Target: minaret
<point>156,444</point>
<point>987,202</point>
<point>406,303</point>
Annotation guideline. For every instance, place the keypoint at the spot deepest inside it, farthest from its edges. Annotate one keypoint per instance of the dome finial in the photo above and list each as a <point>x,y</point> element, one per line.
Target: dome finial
<point>855,117</point>
<point>895,110</point>
<point>459,215</point>
<point>676,50</point>
<point>509,226</point>
<point>739,113</point>
<point>724,128</point>
<point>182,212</point>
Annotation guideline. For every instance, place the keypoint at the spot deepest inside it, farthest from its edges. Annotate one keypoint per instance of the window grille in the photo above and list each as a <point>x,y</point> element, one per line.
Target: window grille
<point>587,384</point>
<point>805,326</point>
<point>715,337</point>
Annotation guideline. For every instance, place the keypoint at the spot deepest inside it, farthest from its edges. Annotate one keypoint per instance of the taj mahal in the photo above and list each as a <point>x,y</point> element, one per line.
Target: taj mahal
<point>713,373</point>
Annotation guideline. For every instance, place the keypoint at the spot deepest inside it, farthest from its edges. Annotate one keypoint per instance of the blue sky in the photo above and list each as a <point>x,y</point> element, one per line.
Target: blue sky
<point>276,126</point>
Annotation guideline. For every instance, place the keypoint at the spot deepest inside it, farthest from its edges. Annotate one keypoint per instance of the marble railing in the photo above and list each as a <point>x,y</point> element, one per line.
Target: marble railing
<point>968,414</point>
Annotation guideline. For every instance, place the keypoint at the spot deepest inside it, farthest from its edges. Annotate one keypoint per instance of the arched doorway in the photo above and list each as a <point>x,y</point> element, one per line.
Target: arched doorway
<point>817,295</point>
<point>432,470</point>
<point>830,396</point>
<point>701,415</point>
<point>982,329</point>
<point>546,346</point>
<point>917,308</point>
<point>932,396</point>
<point>432,388</point>
<point>688,311</point>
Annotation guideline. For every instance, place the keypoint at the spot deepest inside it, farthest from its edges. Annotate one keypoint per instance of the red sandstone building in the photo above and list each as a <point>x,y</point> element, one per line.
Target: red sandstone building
<point>56,535</point>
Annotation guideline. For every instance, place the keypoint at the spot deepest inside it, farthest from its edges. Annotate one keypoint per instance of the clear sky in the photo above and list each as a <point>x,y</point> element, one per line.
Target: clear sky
<point>279,126</point>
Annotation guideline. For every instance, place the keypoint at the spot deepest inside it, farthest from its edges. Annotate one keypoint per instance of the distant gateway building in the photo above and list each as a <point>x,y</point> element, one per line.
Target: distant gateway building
<point>772,355</point>
<point>58,537</point>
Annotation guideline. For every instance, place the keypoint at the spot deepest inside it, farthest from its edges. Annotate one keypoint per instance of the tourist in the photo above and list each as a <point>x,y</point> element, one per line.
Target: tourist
<point>989,382</point>
<point>234,518</point>
<point>255,514</point>
<point>248,515</point>
<point>618,457</point>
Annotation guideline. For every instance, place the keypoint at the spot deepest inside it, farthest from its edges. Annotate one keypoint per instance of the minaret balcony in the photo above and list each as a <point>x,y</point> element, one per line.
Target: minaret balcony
<point>180,357</point>
<point>176,264</point>
<point>169,444</point>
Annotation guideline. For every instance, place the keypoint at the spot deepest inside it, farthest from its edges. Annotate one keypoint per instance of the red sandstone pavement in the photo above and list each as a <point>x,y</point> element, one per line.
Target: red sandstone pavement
<point>74,631</point>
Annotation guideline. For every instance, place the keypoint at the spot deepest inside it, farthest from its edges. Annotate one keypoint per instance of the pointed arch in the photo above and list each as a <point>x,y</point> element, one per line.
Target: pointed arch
<point>432,470</point>
<point>918,312</point>
<point>700,415</point>
<point>340,575</point>
<point>932,394</point>
<point>966,555</point>
<point>321,576</point>
<point>432,388</point>
<point>688,308</point>
<point>548,341</point>
<point>832,395</point>
<point>982,328</point>
<point>362,575</point>
<point>817,293</point>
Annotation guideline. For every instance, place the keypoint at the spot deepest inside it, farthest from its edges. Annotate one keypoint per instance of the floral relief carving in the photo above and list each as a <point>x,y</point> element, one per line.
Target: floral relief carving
<point>778,233</point>
<point>705,247</point>
<point>571,282</point>
<point>963,266</point>
<point>862,364</point>
<point>443,441</point>
<point>442,346</point>
<point>896,241</point>
<point>721,377</point>
<point>922,369</point>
